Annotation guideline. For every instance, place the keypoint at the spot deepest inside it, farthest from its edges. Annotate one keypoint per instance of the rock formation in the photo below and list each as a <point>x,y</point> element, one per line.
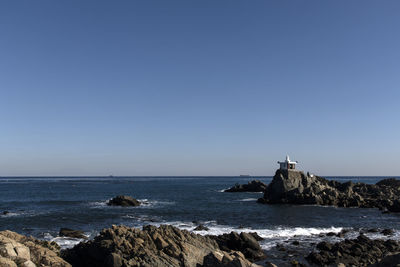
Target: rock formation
<point>152,246</point>
<point>252,186</point>
<point>247,243</point>
<point>292,186</point>
<point>124,201</point>
<point>72,233</point>
<point>18,250</point>
<point>361,251</point>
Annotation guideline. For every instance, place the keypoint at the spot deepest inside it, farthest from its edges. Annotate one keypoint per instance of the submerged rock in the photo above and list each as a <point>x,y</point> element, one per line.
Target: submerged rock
<point>361,251</point>
<point>294,187</point>
<point>18,250</point>
<point>72,233</point>
<point>152,246</point>
<point>252,186</point>
<point>124,201</point>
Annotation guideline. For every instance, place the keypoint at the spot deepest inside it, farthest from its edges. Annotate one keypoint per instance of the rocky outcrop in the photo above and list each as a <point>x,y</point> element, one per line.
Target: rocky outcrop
<point>201,228</point>
<point>72,233</point>
<point>18,250</point>
<point>247,243</point>
<point>252,186</point>
<point>163,246</point>
<point>292,186</point>
<point>124,201</point>
<point>361,251</point>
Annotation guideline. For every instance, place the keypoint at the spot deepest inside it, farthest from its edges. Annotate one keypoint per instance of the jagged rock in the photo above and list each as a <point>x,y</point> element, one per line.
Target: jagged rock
<point>201,228</point>
<point>72,233</point>
<point>124,201</point>
<point>244,242</point>
<point>19,250</point>
<point>252,186</point>
<point>225,259</point>
<point>387,232</point>
<point>151,246</point>
<point>294,187</point>
<point>361,251</point>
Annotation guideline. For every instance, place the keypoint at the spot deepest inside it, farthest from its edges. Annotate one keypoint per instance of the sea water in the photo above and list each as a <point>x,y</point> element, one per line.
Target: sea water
<point>40,206</point>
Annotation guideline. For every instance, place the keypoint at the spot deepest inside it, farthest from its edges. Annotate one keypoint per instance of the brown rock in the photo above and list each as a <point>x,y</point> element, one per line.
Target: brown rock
<point>19,250</point>
<point>151,246</point>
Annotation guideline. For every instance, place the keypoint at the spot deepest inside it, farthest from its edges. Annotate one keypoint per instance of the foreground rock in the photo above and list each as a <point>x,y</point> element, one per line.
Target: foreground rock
<point>252,186</point>
<point>72,233</point>
<point>292,186</point>
<point>18,250</point>
<point>152,246</point>
<point>124,201</point>
<point>361,251</point>
<point>247,243</point>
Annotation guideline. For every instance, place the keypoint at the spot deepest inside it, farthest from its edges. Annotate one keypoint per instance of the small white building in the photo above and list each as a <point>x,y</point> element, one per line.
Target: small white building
<point>287,164</point>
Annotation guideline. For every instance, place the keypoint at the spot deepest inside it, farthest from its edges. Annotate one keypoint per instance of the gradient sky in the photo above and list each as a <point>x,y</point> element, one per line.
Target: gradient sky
<point>199,87</point>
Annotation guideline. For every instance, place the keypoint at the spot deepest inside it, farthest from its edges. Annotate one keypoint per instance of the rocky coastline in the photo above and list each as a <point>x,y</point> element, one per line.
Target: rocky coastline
<point>122,246</point>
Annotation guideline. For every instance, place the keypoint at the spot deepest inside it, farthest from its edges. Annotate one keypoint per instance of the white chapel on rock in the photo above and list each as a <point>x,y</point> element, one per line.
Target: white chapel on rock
<point>287,164</point>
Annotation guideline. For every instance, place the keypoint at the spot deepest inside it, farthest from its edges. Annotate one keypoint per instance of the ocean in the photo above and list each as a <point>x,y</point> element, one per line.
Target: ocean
<point>40,206</point>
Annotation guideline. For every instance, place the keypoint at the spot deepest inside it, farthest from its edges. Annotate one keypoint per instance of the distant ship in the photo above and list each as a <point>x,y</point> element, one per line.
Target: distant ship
<point>244,175</point>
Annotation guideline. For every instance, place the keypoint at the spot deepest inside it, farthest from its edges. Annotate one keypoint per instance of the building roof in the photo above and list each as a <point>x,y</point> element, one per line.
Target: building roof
<point>288,161</point>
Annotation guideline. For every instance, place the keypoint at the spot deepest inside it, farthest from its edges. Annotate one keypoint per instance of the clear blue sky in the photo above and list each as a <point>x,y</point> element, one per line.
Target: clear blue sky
<point>199,87</point>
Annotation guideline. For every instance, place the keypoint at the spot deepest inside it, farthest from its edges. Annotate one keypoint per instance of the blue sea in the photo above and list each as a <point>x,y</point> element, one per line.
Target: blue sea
<point>40,206</point>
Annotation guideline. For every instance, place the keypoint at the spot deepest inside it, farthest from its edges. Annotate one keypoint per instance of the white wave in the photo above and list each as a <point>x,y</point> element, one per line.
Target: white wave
<point>98,204</point>
<point>67,242</point>
<point>222,190</point>
<point>248,199</point>
<point>11,214</point>
<point>24,213</point>
<point>63,241</point>
<point>151,203</point>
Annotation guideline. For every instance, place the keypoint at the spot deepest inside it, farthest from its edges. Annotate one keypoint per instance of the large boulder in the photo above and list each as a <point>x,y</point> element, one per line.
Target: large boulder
<point>18,250</point>
<point>124,201</point>
<point>151,246</point>
<point>294,187</point>
<point>252,186</point>
<point>244,242</point>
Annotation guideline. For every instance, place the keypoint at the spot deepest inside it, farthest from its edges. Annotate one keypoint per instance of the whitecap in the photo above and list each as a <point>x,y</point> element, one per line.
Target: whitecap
<point>66,242</point>
<point>248,199</point>
<point>222,190</point>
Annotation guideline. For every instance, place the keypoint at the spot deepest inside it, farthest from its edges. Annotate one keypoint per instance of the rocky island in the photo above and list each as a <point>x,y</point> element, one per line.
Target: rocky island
<point>294,187</point>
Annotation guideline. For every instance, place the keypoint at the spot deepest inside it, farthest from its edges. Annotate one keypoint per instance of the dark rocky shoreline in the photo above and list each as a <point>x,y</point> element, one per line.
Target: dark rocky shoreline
<point>122,246</point>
